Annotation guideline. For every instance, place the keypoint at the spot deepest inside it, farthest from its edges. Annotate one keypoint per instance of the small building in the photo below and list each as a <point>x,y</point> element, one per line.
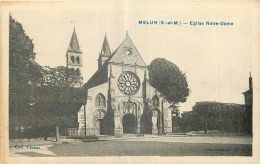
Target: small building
<point>249,106</point>
<point>249,94</point>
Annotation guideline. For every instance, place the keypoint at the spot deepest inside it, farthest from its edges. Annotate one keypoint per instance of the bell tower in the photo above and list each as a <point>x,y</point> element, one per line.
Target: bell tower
<point>105,53</point>
<point>74,54</point>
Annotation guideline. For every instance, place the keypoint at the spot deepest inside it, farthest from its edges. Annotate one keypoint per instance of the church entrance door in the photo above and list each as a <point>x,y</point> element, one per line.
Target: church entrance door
<point>129,124</point>
<point>102,127</point>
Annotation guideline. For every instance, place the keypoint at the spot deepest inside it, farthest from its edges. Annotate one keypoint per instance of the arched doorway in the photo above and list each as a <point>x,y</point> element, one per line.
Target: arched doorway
<point>129,124</point>
<point>102,127</point>
<point>100,122</point>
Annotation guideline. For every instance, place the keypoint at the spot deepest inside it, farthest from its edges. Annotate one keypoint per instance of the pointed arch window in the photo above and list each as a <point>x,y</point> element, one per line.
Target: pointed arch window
<point>155,101</point>
<point>77,60</point>
<point>100,100</point>
<point>72,59</point>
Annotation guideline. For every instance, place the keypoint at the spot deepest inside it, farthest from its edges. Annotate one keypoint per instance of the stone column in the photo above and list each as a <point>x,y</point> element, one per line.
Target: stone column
<point>169,120</point>
<point>118,124</point>
<point>81,121</point>
<point>154,130</point>
<point>87,126</point>
<point>97,127</point>
<point>154,121</point>
<point>118,129</point>
<point>160,124</point>
<point>163,116</point>
<point>138,119</point>
<point>167,117</point>
<point>138,125</point>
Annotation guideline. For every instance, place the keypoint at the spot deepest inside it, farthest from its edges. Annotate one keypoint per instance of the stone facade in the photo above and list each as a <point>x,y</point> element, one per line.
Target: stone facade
<point>119,97</point>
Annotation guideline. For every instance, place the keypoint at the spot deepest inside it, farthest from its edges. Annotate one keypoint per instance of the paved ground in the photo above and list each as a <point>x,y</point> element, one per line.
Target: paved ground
<point>197,139</point>
<point>138,146</point>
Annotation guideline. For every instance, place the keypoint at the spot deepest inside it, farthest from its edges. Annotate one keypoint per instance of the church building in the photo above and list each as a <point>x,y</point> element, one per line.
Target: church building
<point>119,98</point>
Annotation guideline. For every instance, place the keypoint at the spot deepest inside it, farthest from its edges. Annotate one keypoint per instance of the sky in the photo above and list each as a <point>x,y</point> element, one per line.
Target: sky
<point>216,59</point>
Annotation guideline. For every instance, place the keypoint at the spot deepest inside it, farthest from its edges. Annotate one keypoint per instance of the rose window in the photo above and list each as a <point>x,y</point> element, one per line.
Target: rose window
<point>128,83</point>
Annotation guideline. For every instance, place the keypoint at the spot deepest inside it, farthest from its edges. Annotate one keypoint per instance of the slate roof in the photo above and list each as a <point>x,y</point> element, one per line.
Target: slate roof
<point>99,77</point>
<point>247,92</point>
<point>105,51</point>
<point>74,43</point>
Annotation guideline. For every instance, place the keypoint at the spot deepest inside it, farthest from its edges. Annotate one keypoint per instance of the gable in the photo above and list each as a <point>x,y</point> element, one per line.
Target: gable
<point>120,55</point>
<point>127,53</point>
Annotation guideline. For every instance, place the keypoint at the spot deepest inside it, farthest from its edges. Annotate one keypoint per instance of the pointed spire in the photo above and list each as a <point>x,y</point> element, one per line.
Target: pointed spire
<point>105,47</point>
<point>126,33</point>
<point>74,43</point>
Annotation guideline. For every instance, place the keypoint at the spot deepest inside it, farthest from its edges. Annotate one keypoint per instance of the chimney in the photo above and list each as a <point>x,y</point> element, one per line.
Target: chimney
<point>250,82</point>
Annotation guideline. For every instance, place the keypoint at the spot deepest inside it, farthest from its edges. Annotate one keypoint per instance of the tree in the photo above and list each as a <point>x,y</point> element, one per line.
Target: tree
<point>187,121</point>
<point>61,76</point>
<point>219,116</point>
<point>24,72</point>
<point>39,97</point>
<point>57,100</point>
<point>167,78</point>
<point>176,120</point>
<point>203,113</point>
<point>55,103</point>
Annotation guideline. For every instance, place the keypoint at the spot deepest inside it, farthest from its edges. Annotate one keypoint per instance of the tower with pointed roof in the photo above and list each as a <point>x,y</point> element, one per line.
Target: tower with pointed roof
<point>105,52</point>
<point>74,54</point>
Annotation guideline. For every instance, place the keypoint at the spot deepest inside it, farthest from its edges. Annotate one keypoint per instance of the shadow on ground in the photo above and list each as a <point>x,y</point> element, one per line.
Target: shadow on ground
<point>143,148</point>
<point>34,154</point>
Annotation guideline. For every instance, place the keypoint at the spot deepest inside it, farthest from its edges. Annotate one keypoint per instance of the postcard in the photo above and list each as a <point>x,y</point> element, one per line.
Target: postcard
<point>130,82</point>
